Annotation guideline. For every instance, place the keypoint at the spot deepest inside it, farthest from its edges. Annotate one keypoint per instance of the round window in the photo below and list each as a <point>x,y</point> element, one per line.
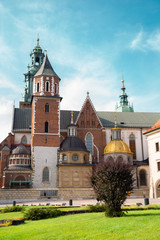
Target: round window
<point>75,157</point>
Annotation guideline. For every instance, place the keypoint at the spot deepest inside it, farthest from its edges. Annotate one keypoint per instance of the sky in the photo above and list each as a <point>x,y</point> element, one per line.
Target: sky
<point>90,44</point>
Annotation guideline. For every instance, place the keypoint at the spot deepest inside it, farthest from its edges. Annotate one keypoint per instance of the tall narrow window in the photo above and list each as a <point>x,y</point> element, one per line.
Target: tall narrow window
<point>158,166</point>
<point>55,88</point>
<point>45,177</point>
<point>46,107</point>
<point>89,143</point>
<point>46,127</point>
<point>132,145</point>
<point>38,87</point>
<point>143,178</point>
<point>157,146</point>
<point>47,86</point>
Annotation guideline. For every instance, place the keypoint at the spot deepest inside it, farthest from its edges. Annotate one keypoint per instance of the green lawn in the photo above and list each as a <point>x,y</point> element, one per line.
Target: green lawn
<point>144,225</point>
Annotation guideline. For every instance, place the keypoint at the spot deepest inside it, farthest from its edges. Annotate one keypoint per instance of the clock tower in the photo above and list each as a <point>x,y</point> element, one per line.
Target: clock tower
<point>45,133</point>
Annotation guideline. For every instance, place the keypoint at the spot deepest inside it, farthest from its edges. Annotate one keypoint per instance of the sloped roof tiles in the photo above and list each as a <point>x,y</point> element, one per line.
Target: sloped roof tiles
<point>22,119</point>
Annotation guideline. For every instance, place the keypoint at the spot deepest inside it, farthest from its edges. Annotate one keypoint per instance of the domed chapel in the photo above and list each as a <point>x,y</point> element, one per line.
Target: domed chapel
<point>50,152</point>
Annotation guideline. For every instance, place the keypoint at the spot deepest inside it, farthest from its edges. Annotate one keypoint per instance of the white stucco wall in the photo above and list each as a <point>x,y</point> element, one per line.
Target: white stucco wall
<point>44,157</point>
<point>18,137</point>
<point>154,157</point>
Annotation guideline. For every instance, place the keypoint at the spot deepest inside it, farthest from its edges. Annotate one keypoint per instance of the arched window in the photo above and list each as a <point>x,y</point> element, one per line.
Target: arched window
<point>89,142</point>
<point>37,61</point>
<point>132,145</point>
<point>45,177</point>
<point>143,178</point>
<point>38,87</point>
<point>46,127</point>
<point>64,158</point>
<point>119,158</point>
<point>46,107</point>
<point>24,140</point>
<point>110,159</point>
<point>47,86</point>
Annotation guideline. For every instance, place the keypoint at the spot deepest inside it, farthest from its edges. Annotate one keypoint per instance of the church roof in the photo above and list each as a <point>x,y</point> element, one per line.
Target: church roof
<point>46,69</point>
<point>154,127</point>
<point>20,149</point>
<point>72,144</point>
<point>117,146</point>
<point>22,119</point>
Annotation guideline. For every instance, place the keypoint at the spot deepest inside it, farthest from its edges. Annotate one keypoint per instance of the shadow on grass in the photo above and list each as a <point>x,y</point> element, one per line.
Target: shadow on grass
<point>141,214</point>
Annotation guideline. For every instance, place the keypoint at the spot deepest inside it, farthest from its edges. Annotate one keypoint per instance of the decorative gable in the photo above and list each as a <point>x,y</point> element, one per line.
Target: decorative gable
<point>88,117</point>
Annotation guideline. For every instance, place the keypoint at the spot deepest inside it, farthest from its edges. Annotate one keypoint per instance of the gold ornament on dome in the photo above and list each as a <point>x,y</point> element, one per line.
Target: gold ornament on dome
<point>117,146</point>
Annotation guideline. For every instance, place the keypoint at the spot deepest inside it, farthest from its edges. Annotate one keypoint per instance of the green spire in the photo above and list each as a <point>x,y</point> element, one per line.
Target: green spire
<point>37,57</point>
<point>124,105</point>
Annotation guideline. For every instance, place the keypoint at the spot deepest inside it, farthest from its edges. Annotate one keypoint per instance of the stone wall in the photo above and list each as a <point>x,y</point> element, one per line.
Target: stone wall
<point>75,193</point>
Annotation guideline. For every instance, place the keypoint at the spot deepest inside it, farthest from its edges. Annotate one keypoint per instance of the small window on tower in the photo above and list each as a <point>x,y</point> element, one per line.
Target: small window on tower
<point>47,86</point>
<point>55,88</point>
<point>46,127</point>
<point>38,87</point>
<point>47,108</point>
<point>37,61</point>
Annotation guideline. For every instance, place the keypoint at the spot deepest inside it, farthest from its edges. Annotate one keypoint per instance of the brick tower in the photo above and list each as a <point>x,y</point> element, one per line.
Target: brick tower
<point>45,133</point>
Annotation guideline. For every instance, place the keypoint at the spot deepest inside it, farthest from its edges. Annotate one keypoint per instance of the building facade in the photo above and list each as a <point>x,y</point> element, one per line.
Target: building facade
<point>54,150</point>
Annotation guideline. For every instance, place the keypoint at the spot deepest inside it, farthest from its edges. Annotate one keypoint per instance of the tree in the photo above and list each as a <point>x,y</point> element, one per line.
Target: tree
<point>112,180</point>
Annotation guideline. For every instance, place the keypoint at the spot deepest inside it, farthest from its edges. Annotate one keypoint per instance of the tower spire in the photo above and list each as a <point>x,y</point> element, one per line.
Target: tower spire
<point>124,104</point>
<point>115,120</point>
<point>38,40</point>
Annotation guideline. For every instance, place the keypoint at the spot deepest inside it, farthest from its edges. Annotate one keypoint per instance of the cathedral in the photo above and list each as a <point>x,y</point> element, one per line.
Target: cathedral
<point>50,152</point>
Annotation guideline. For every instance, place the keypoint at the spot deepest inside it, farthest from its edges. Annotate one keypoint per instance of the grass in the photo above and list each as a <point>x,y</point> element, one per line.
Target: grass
<point>138,225</point>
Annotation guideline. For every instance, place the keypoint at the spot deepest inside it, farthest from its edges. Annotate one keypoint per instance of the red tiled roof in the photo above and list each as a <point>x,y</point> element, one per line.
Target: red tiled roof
<point>154,127</point>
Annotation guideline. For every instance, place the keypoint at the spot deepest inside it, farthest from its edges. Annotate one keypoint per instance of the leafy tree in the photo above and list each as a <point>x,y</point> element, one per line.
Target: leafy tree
<point>112,180</point>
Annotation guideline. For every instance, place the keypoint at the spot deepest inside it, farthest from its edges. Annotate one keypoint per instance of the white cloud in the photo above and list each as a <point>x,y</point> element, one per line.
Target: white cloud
<point>153,42</point>
<point>6,107</point>
<point>137,41</point>
<point>5,82</point>
<point>144,41</point>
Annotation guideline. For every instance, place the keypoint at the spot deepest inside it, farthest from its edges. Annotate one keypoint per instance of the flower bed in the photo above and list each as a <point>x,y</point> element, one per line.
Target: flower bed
<point>9,222</point>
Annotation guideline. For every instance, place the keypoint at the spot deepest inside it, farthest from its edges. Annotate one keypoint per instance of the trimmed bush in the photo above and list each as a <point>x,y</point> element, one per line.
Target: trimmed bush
<point>40,213</point>
<point>13,209</point>
<point>97,208</point>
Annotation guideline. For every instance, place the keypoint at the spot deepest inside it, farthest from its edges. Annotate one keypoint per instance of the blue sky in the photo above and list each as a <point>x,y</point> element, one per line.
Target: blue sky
<point>89,44</point>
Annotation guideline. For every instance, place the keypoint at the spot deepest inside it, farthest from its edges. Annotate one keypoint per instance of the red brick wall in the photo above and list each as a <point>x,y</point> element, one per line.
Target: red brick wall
<point>52,117</point>
<point>88,122</point>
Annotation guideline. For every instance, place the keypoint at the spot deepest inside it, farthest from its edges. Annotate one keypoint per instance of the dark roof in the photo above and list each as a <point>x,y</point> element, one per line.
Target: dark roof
<point>22,119</point>
<point>65,118</point>
<point>20,149</point>
<point>46,69</point>
<point>129,119</point>
<point>72,144</point>
<point>140,163</point>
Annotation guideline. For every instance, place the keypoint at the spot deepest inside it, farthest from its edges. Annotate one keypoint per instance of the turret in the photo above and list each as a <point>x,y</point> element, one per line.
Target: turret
<point>37,57</point>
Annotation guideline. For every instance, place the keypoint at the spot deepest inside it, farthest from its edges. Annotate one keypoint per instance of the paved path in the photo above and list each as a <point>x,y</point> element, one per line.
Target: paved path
<point>129,201</point>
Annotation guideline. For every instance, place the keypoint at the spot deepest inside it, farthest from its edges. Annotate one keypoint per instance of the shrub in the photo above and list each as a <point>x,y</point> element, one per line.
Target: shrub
<point>40,213</point>
<point>97,208</point>
<point>13,209</point>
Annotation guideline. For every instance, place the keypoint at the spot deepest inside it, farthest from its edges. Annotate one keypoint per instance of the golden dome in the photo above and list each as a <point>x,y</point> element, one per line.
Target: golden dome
<point>117,146</point>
